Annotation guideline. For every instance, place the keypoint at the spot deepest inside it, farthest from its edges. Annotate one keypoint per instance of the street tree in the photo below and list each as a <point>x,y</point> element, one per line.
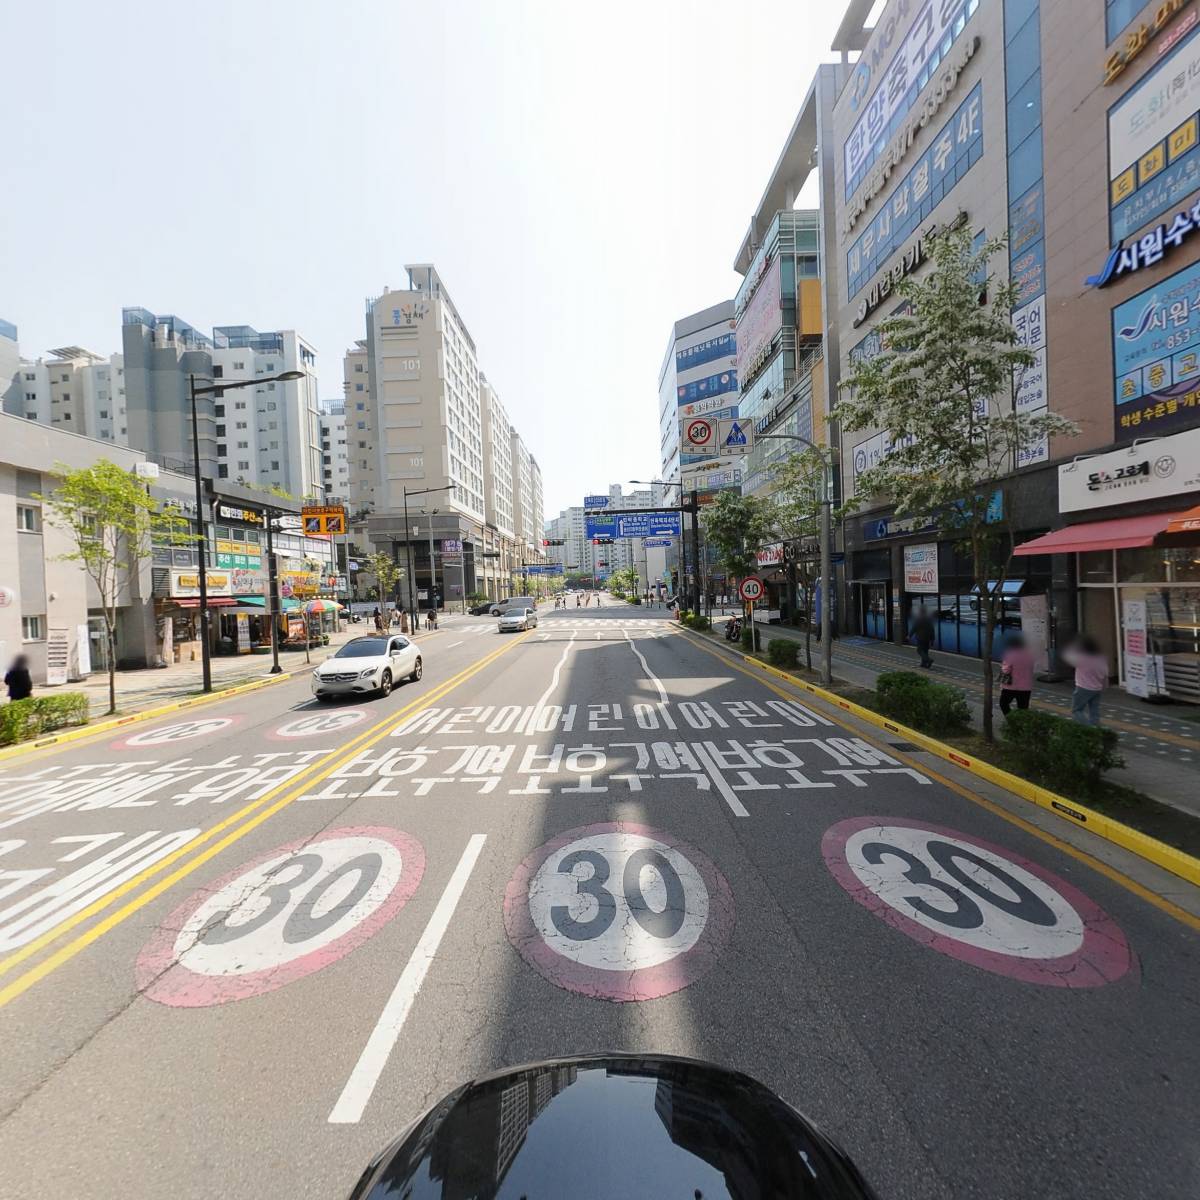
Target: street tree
<point>943,386</point>
<point>386,572</point>
<point>112,521</point>
<point>735,526</point>
<point>800,482</point>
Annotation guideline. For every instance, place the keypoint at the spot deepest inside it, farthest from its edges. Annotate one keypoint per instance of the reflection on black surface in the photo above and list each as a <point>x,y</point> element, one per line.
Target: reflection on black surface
<point>614,1126</point>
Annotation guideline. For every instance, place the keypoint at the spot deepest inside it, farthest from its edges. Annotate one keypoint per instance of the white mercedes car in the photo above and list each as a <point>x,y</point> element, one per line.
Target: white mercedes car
<point>517,620</point>
<point>367,664</point>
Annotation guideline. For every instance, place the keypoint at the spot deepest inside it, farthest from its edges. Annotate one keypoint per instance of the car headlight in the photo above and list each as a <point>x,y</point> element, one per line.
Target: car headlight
<point>369,671</point>
<point>316,674</point>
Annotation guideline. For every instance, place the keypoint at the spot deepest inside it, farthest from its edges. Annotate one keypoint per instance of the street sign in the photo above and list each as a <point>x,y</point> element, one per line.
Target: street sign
<point>324,518</point>
<point>659,541</point>
<point>639,525</point>
<point>595,501</point>
<point>700,435</point>
<point>993,909</point>
<point>618,911</point>
<point>734,436</point>
<point>751,588</point>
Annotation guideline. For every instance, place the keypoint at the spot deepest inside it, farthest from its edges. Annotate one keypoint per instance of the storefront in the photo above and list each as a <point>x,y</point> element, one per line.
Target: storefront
<point>1138,572</point>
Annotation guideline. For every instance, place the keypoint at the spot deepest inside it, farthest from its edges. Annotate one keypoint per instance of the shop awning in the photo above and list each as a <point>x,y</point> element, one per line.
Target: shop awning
<point>213,602</point>
<point>1185,522</point>
<point>1119,534</point>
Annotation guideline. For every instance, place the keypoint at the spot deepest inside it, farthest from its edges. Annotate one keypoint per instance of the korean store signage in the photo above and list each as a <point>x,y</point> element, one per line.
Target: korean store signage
<point>951,153</point>
<point>1165,466</point>
<point>936,26</point>
<point>770,556</point>
<point>914,255</point>
<point>921,568</point>
<point>186,584</point>
<point>896,149</point>
<point>760,320</point>
<point>706,351</point>
<point>232,513</point>
<point>1154,141</point>
<point>1136,40</point>
<point>1149,249</point>
<point>1156,358</point>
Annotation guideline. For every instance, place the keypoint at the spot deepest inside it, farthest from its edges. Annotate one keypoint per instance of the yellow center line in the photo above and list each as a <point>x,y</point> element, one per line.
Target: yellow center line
<point>291,789</point>
<point>1109,872</point>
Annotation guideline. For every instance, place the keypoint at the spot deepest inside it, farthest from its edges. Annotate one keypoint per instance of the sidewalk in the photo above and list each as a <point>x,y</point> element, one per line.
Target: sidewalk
<point>1162,751</point>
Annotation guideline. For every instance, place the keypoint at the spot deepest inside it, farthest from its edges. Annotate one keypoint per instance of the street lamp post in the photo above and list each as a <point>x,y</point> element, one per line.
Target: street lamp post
<point>412,596</point>
<point>826,535</point>
<point>202,543</point>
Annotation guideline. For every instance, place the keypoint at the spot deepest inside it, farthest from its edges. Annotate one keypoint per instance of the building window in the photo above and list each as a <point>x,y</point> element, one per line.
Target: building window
<point>33,629</point>
<point>219,410</point>
<point>243,445</point>
<point>243,466</point>
<point>221,450</point>
<point>222,471</point>
<point>218,372</point>
<point>239,366</point>
<point>29,378</point>
<point>358,387</point>
<point>220,431</point>
<point>241,425</point>
<point>362,424</point>
<point>1118,14</point>
<point>239,404</point>
<point>104,414</point>
<point>274,464</point>
<point>65,378</point>
<point>27,518</point>
<point>66,416</point>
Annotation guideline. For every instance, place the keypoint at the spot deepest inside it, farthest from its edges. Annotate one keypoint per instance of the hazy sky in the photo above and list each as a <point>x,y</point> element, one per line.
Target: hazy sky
<point>581,174</point>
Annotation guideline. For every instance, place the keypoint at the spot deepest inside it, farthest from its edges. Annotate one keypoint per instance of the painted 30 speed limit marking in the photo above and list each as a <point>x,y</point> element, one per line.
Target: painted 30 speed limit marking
<point>280,916</point>
<point>976,902</point>
<point>181,731</point>
<point>618,911</point>
<point>313,724</point>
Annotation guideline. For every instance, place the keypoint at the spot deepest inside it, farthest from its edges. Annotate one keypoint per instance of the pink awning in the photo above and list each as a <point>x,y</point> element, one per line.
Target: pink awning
<point>1119,534</point>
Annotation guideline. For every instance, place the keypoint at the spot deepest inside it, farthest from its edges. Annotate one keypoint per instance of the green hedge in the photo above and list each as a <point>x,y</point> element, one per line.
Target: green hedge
<point>747,637</point>
<point>917,701</point>
<point>783,652</point>
<point>25,719</point>
<point>1061,754</point>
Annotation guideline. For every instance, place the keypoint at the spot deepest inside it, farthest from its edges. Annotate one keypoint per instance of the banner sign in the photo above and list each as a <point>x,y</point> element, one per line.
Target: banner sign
<point>759,321</point>
<point>921,568</point>
<point>704,352</point>
<point>1165,467</point>
<point>1156,357</point>
<point>186,584</point>
<point>640,525</point>
<point>769,556</point>
<point>712,385</point>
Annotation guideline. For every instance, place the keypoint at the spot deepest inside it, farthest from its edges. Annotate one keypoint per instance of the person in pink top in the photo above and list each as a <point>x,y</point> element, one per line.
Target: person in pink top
<point>1091,678</point>
<point>1016,674</point>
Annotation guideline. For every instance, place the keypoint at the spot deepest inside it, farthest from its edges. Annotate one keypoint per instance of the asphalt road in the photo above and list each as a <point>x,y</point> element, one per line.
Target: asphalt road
<point>241,948</point>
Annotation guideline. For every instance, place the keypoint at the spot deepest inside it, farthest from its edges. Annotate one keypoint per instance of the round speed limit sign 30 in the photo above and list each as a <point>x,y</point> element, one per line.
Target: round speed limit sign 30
<point>976,902</point>
<point>700,432</point>
<point>618,912</point>
<point>281,916</point>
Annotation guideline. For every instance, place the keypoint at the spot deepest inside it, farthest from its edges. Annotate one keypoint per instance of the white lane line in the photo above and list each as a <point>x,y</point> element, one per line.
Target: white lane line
<point>714,773</point>
<point>453,644</point>
<point>654,679</point>
<point>361,1084</point>
<point>541,703</point>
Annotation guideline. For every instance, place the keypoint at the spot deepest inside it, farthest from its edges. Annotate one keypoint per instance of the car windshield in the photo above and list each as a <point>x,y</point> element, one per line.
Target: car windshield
<point>363,648</point>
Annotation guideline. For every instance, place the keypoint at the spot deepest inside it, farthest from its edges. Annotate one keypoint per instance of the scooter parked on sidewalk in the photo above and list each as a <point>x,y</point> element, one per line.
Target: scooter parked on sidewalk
<point>733,629</point>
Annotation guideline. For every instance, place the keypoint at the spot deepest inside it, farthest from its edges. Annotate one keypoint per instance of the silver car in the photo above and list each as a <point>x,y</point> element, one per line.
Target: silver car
<point>517,620</point>
<point>367,664</point>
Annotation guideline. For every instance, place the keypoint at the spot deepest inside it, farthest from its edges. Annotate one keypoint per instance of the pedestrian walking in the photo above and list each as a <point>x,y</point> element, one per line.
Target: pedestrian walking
<point>1091,678</point>
<point>922,634</point>
<point>431,620</point>
<point>378,621</point>
<point>403,621</point>
<point>1016,674</point>
<point>578,599</point>
<point>18,679</point>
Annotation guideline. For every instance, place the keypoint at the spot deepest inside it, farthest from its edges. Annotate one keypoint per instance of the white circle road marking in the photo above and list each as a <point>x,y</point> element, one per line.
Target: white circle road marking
<point>181,731</point>
<point>320,722</point>
<point>283,915</point>
<point>618,911</point>
<point>976,902</point>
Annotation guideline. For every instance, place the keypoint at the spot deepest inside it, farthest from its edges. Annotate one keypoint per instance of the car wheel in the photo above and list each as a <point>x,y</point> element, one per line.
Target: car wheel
<point>323,699</point>
<point>385,684</point>
<point>417,671</point>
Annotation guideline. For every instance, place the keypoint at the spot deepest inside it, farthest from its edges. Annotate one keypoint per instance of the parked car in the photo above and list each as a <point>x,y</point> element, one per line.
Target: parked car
<point>483,609</point>
<point>367,664</point>
<point>502,606</point>
<point>517,620</point>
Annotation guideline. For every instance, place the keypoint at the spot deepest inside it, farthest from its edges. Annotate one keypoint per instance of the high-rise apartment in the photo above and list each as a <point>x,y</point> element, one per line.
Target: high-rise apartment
<point>500,540</point>
<point>81,391</point>
<point>335,464</point>
<point>360,426</point>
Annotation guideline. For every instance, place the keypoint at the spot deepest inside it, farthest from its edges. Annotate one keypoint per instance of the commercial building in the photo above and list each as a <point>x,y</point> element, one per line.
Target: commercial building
<point>268,436</point>
<point>427,447</point>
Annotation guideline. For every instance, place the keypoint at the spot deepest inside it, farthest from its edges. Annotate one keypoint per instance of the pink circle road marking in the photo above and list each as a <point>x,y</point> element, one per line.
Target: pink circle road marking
<point>335,721</point>
<point>644,983</point>
<point>162,977</point>
<point>173,734</point>
<point>1103,957</point>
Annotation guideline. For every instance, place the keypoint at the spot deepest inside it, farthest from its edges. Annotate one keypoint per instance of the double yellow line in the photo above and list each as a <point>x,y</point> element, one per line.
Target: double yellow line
<point>250,817</point>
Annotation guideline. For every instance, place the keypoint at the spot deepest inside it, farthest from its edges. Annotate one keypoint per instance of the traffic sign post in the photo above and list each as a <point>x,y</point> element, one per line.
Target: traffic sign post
<point>751,589</point>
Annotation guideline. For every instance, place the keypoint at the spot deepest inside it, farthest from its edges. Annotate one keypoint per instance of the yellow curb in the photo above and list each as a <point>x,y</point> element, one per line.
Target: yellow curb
<point>79,732</point>
<point>1128,838</point>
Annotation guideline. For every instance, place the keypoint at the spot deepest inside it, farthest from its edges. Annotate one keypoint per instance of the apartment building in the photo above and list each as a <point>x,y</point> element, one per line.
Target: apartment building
<point>501,557</point>
<point>335,462</point>
<point>360,426</point>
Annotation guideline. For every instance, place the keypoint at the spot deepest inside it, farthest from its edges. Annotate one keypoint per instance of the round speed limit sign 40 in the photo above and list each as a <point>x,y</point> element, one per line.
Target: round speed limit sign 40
<point>618,912</point>
<point>976,902</point>
<point>280,916</point>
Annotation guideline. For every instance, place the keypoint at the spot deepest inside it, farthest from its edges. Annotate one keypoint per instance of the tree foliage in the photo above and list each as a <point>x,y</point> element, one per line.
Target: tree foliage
<point>735,526</point>
<point>386,572</point>
<point>943,387</point>
<point>111,520</point>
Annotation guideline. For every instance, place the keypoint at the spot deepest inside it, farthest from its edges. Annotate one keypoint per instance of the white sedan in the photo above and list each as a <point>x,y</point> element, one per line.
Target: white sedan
<point>517,620</point>
<point>367,664</point>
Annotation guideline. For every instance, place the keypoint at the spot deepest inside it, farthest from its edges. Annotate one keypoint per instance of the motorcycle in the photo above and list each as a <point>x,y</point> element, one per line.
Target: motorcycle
<point>628,1125</point>
<point>733,629</point>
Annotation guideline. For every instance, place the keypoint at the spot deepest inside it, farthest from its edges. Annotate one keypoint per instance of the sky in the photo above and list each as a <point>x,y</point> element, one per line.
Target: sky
<point>581,175</point>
